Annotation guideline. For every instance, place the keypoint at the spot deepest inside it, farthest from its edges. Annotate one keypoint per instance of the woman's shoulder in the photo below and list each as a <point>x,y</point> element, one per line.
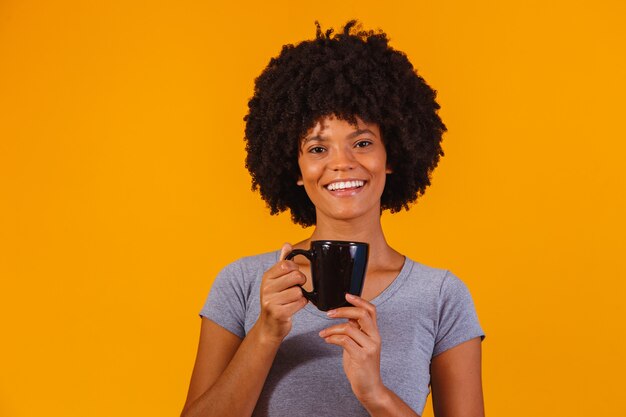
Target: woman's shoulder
<point>434,278</point>
<point>250,265</point>
<point>244,274</point>
<point>261,261</point>
<point>447,298</point>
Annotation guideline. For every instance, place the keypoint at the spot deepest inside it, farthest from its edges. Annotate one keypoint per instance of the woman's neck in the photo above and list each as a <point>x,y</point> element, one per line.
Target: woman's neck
<point>358,230</point>
<point>370,232</point>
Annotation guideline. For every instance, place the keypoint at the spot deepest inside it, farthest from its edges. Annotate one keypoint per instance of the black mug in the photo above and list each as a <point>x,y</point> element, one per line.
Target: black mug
<point>337,267</point>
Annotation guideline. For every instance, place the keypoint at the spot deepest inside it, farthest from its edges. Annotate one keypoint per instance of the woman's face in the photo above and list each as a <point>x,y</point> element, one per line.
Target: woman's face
<point>343,168</point>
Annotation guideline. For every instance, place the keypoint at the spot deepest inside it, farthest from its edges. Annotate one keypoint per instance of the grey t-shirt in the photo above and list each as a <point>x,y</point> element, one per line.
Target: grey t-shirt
<point>422,313</point>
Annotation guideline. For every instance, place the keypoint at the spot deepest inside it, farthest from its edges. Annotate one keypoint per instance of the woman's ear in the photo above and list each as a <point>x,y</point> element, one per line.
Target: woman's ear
<point>300,182</point>
<point>388,170</point>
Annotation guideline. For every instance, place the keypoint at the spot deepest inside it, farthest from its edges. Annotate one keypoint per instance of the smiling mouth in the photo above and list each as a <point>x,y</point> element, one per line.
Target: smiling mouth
<point>345,185</point>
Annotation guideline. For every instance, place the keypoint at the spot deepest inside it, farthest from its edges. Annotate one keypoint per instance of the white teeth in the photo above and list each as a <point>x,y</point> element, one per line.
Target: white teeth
<point>341,185</point>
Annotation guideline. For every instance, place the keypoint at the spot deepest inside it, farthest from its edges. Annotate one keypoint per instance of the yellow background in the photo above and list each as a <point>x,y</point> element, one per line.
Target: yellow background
<point>123,190</point>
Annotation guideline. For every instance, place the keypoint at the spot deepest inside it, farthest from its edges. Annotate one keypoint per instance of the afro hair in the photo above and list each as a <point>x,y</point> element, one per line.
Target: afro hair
<point>348,74</point>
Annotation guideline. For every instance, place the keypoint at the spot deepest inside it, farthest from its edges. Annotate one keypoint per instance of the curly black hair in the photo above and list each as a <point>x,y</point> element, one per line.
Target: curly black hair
<point>349,74</point>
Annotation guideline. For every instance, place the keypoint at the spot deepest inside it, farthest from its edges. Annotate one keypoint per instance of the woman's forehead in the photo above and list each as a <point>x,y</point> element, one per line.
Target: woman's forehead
<point>326,123</point>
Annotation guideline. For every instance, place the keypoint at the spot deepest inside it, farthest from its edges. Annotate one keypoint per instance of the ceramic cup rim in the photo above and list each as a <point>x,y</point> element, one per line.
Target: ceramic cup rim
<point>338,242</point>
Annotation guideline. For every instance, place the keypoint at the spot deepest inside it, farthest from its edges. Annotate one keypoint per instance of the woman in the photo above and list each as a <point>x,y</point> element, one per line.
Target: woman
<point>339,129</point>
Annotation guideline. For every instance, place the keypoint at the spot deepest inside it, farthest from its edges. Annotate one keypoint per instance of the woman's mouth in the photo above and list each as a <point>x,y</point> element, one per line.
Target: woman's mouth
<point>345,185</point>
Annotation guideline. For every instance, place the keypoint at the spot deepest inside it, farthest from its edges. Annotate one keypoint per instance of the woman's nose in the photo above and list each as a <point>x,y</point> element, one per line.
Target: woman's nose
<point>343,160</point>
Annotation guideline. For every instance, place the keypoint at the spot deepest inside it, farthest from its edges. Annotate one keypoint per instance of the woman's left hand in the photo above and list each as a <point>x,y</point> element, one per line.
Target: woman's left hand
<point>361,343</point>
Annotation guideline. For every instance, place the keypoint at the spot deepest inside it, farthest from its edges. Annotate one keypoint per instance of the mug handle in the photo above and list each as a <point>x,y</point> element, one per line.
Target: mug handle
<point>311,296</point>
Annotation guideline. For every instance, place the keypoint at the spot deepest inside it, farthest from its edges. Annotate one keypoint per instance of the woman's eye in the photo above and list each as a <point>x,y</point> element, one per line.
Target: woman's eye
<point>363,143</point>
<point>316,149</point>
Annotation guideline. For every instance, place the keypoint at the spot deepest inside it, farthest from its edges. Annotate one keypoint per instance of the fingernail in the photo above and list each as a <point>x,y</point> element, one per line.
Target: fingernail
<point>331,313</point>
<point>350,296</point>
<point>322,333</point>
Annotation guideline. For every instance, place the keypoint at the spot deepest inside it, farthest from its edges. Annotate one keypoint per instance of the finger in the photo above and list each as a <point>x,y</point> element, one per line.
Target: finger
<point>293,307</point>
<point>283,282</point>
<point>285,311</point>
<point>284,251</point>
<point>281,268</point>
<point>360,315</point>
<point>350,330</point>
<point>348,345</point>
<point>357,301</point>
<point>293,278</point>
<point>285,296</point>
<point>275,304</point>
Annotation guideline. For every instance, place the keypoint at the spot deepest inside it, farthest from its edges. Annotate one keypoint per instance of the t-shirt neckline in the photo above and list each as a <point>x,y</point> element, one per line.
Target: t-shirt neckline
<point>380,298</point>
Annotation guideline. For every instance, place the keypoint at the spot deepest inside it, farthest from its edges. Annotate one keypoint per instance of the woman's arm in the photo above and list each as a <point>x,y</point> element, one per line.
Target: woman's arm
<point>456,382</point>
<point>230,372</point>
<point>216,349</point>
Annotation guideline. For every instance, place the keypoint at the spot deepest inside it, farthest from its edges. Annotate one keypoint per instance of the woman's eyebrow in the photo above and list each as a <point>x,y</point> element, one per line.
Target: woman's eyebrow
<point>350,136</point>
<point>316,137</point>
<point>359,132</point>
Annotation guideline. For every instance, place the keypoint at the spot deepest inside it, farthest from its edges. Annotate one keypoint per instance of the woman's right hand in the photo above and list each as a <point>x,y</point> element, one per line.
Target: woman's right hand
<point>281,297</point>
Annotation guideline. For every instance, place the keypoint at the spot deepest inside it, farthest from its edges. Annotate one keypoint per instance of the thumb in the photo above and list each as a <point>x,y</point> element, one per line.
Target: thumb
<point>285,250</point>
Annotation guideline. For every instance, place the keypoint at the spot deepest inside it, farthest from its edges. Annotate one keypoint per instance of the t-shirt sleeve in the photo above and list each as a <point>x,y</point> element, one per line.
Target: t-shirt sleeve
<point>226,302</point>
<point>458,321</point>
